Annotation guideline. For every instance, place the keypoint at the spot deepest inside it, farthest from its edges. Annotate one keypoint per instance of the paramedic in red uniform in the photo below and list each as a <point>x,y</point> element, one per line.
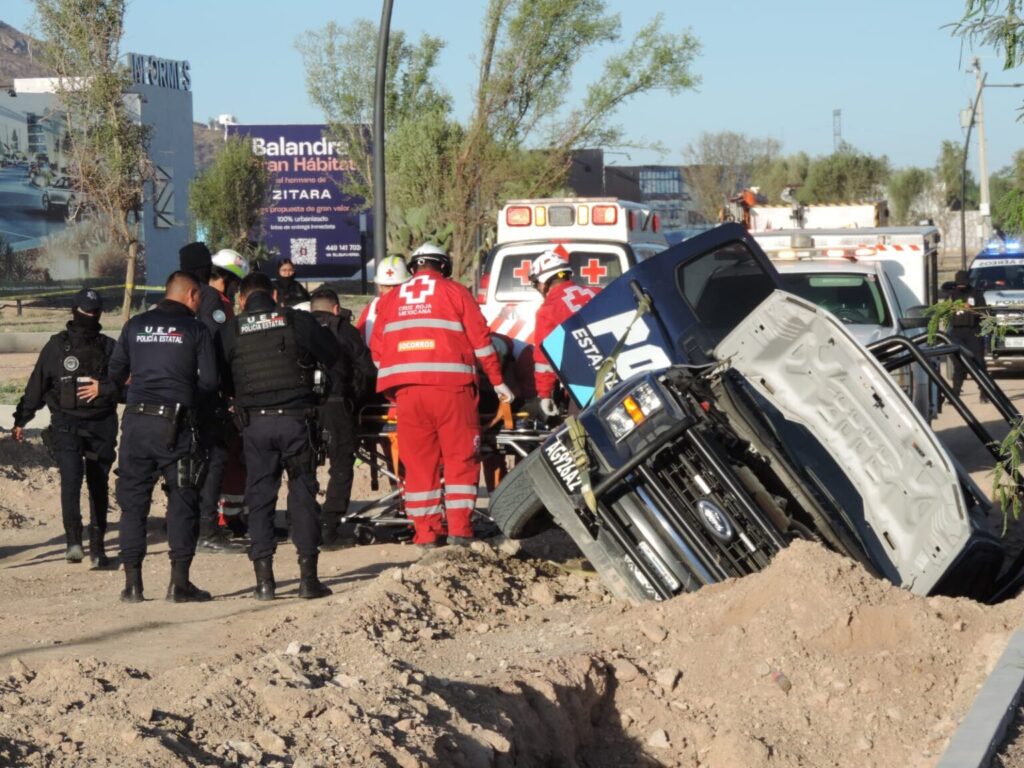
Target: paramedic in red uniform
<point>551,274</point>
<point>427,340</point>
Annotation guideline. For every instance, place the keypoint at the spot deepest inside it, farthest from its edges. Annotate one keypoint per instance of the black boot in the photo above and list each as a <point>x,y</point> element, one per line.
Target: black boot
<point>181,590</point>
<point>214,538</point>
<point>132,592</point>
<point>310,587</point>
<point>265,584</point>
<point>97,555</point>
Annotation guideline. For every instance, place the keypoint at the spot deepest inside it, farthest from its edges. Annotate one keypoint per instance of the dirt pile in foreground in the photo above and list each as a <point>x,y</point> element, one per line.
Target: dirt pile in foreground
<point>480,658</point>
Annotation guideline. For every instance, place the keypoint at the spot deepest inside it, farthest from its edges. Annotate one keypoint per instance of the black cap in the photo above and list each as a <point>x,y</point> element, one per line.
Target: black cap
<point>194,256</point>
<point>88,300</point>
<point>962,277</point>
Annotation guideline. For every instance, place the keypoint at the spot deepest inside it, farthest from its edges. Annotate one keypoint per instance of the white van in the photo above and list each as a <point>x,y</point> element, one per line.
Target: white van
<point>604,238</point>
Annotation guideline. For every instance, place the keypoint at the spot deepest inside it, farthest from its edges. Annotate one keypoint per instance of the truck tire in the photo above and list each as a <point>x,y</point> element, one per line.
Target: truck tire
<point>515,506</point>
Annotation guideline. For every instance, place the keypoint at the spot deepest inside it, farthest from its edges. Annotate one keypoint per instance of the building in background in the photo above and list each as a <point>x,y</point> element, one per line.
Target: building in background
<point>45,220</point>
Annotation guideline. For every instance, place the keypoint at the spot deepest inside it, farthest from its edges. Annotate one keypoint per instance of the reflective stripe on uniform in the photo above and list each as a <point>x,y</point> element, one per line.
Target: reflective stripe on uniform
<point>393,370</point>
<point>460,503</point>
<point>421,511</point>
<point>543,368</point>
<point>444,325</point>
<point>423,495</point>
<point>485,351</point>
<point>450,489</point>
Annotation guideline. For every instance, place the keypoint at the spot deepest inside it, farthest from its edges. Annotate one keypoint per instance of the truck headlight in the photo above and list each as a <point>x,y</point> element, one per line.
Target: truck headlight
<point>633,410</point>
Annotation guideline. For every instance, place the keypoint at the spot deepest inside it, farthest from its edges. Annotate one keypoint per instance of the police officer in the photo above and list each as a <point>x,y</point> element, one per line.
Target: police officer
<point>271,354</point>
<point>171,362</point>
<point>352,378</point>
<point>428,338</point>
<point>216,308</point>
<point>83,427</point>
<point>964,325</point>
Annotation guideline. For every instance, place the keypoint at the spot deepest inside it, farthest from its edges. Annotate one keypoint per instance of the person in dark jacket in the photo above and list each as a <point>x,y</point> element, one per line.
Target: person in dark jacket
<point>352,379</point>
<point>270,355</point>
<point>289,290</point>
<point>83,429</point>
<point>965,324</point>
<point>169,357</point>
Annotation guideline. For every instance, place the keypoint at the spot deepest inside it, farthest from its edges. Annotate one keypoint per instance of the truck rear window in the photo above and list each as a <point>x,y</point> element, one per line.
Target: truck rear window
<point>854,299</point>
<point>589,268</point>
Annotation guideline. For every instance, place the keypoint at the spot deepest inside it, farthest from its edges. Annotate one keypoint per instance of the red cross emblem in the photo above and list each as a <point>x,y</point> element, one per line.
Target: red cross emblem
<point>522,272</point>
<point>594,271</point>
<point>416,291</point>
<point>390,272</point>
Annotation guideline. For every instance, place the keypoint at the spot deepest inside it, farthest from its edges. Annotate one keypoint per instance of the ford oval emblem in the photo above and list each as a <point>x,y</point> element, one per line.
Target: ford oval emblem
<point>715,521</point>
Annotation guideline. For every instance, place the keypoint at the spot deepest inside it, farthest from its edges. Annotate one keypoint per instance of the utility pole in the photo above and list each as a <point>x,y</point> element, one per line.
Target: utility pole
<point>837,129</point>
<point>379,185</point>
<point>985,205</point>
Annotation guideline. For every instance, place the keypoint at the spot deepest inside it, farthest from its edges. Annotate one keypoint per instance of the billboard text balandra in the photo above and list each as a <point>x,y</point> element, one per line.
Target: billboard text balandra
<point>309,218</point>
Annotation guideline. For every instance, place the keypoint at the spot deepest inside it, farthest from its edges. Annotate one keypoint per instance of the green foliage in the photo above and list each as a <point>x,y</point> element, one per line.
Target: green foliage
<point>846,176</point>
<point>994,23</point>
<point>446,178</point>
<point>226,198</point>
<point>948,168</point>
<point>906,186</point>
<point>1008,213</point>
<point>781,172</point>
<point>106,142</point>
<point>722,164</point>
<point>1007,481</point>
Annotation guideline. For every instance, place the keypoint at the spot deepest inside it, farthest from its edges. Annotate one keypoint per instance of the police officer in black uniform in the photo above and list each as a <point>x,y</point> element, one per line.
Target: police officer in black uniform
<point>351,378</point>
<point>289,290</point>
<point>195,258</point>
<point>171,360</point>
<point>965,324</point>
<point>270,355</point>
<point>83,429</point>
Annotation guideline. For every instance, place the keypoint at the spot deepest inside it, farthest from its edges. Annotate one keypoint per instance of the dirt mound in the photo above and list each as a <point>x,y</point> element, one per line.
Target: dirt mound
<point>482,657</point>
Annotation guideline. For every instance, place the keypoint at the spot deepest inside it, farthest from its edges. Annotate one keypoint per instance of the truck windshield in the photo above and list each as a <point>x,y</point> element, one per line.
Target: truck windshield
<point>987,277</point>
<point>590,268</point>
<point>854,299</point>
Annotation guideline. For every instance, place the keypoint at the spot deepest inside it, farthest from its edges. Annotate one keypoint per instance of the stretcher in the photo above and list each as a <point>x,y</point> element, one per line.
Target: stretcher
<point>506,437</point>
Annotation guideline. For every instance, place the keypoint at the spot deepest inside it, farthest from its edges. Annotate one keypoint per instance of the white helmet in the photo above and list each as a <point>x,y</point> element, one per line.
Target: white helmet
<point>391,271</point>
<point>549,264</point>
<point>231,261</point>
<point>428,252</point>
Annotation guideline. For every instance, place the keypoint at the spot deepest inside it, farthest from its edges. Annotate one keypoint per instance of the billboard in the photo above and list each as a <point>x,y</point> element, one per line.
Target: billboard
<point>309,218</point>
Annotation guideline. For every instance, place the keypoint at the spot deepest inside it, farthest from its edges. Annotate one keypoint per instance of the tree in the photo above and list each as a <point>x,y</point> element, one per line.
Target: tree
<point>781,172</point>
<point>520,133</point>
<point>846,175</point>
<point>906,188</point>
<point>226,198</point>
<point>948,168</point>
<point>995,23</point>
<point>721,164</point>
<point>107,143</point>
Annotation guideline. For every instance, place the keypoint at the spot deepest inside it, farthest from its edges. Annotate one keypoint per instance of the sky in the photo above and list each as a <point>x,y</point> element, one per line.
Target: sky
<point>767,69</point>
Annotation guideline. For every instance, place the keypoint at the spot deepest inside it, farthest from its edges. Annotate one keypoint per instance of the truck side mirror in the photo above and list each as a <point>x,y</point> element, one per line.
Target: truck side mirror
<point>916,317</point>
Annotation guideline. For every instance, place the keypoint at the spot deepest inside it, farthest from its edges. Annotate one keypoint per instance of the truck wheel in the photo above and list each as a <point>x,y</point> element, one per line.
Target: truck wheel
<point>515,506</point>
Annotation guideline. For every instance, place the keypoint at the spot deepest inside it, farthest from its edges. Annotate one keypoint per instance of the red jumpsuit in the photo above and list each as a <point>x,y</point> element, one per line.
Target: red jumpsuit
<point>428,337</point>
<point>366,320</point>
<point>561,302</point>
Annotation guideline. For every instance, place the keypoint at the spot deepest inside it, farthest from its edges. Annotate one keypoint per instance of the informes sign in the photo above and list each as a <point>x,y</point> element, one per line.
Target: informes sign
<point>309,219</point>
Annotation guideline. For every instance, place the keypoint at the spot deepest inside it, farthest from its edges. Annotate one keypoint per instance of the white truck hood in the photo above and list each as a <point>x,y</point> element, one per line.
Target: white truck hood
<point>802,360</point>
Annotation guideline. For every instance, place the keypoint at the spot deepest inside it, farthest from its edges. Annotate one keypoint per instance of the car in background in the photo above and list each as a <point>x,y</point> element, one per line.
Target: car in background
<point>61,196</point>
<point>998,272</point>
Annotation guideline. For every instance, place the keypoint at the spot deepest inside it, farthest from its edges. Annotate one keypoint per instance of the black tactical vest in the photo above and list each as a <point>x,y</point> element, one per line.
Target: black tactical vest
<point>266,358</point>
<point>80,357</point>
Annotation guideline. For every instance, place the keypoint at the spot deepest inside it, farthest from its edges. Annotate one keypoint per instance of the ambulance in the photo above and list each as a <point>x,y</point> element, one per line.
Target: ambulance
<point>604,238</point>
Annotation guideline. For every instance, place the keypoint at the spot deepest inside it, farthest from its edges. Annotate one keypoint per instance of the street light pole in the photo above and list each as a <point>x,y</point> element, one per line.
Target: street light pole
<point>379,186</point>
<point>963,176</point>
